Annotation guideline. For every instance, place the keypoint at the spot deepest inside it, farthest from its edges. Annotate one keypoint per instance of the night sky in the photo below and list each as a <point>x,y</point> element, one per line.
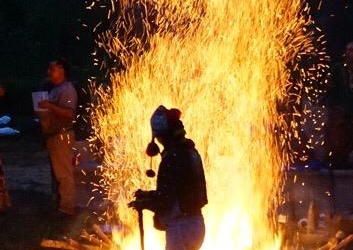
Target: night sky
<point>335,18</point>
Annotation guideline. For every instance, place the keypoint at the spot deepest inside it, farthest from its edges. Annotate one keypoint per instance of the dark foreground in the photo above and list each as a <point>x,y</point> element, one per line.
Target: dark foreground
<point>32,219</point>
<point>33,216</point>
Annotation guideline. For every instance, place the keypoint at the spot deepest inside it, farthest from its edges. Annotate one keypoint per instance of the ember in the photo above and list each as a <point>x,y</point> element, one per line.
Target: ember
<point>224,63</point>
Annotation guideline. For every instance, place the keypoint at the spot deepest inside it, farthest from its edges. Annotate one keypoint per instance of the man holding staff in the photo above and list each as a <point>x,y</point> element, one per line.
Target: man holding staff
<point>181,192</point>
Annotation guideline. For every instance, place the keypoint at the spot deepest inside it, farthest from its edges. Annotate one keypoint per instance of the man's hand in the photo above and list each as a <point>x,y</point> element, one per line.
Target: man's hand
<point>137,204</point>
<point>63,112</point>
<point>142,194</point>
<point>143,200</point>
<point>45,104</point>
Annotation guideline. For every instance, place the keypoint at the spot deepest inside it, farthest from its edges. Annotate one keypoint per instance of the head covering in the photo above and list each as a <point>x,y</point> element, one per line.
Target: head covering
<point>159,122</point>
<point>165,123</point>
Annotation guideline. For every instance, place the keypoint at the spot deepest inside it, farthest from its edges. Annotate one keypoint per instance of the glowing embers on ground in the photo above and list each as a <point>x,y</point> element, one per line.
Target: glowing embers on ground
<point>224,64</point>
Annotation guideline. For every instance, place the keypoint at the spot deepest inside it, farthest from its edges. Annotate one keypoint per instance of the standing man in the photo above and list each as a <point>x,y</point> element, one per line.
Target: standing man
<point>57,126</point>
<point>339,134</point>
<point>181,187</point>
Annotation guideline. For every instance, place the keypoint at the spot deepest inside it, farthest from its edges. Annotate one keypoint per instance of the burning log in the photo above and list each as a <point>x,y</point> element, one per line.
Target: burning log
<point>346,244</point>
<point>70,244</point>
<point>79,246</point>
<point>57,244</point>
<point>99,241</point>
<point>329,245</point>
<point>339,242</point>
<point>102,235</point>
<point>92,239</point>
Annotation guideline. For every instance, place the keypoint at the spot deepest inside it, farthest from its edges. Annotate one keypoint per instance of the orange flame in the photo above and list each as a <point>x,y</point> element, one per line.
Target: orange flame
<point>224,64</point>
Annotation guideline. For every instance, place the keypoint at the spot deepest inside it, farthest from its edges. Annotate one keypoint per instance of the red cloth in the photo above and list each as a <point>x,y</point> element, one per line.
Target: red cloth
<point>5,201</point>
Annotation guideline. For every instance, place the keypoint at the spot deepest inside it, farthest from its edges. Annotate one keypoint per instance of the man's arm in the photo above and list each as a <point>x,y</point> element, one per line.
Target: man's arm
<point>66,106</point>
<point>61,111</point>
<point>167,181</point>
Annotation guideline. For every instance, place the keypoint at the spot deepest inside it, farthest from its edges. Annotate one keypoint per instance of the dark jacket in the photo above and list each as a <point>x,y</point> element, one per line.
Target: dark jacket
<point>181,185</point>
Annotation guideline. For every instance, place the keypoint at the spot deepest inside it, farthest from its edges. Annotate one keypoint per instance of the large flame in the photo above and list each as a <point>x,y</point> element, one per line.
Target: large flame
<point>224,63</point>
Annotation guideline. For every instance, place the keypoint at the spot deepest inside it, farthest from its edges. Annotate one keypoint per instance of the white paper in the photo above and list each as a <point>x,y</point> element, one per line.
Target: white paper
<point>37,97</point>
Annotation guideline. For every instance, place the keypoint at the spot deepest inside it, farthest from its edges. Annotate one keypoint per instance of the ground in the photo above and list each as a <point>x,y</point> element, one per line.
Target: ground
<point>32,216</point>
<point>32,219</point>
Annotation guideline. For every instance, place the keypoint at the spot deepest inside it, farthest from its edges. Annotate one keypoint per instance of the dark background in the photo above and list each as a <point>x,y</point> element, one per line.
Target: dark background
<point>34,32</point>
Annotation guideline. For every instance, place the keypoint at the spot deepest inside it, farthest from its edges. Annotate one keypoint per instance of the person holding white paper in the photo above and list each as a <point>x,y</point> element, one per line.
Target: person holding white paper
<point>57,126</point>
<point>37,97</point>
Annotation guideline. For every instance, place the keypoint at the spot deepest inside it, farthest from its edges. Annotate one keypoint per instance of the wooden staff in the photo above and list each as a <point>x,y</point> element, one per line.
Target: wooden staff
<point>142,233</point>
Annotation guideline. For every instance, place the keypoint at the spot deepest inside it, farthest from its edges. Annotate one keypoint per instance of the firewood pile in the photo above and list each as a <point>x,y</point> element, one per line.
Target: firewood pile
<point>339,242</point>
<point>317,228</point>
<point>310,232</point>
<point>96,240</point>
<point>318,231</point>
